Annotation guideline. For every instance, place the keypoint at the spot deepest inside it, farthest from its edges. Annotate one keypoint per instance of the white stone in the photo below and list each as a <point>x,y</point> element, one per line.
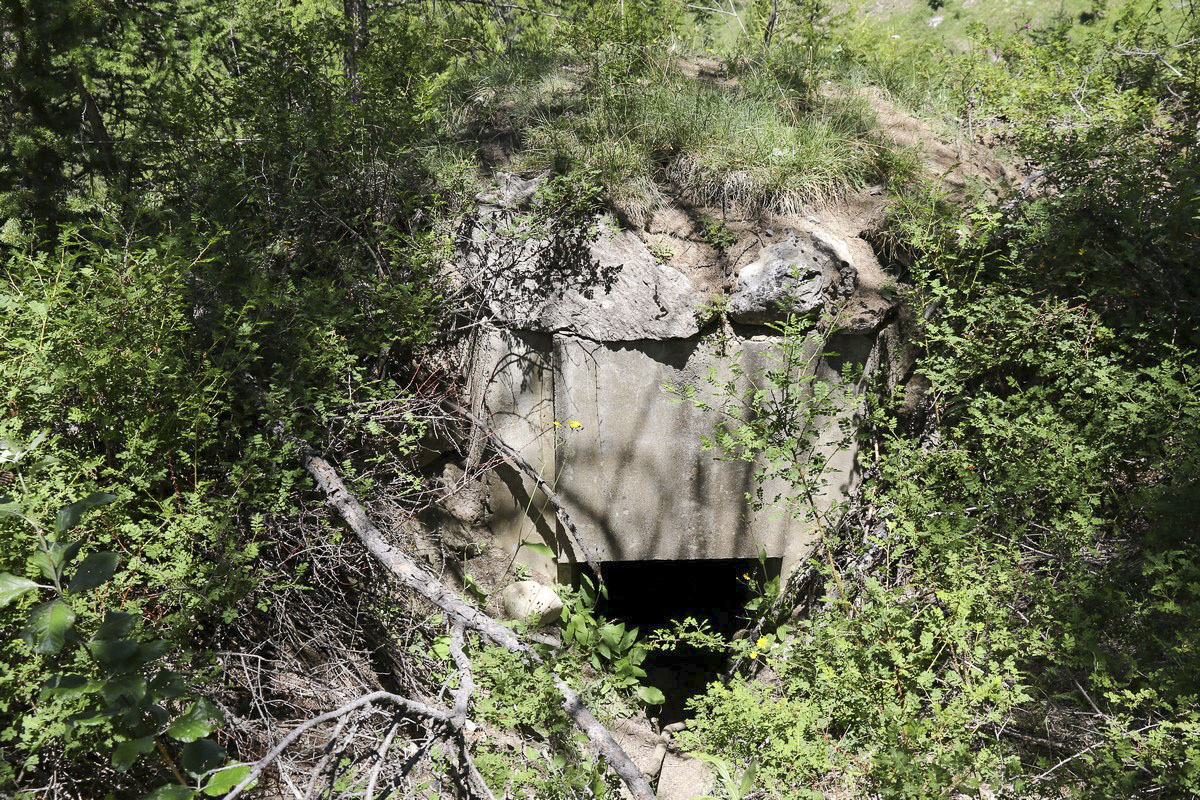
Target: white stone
<point>532,602</point>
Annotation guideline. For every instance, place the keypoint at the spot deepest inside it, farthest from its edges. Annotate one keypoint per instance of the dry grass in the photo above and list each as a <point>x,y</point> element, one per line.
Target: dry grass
<point>750,144</point>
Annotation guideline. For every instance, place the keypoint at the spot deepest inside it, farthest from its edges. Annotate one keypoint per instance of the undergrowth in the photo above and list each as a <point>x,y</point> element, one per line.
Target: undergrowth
<point>1024,622</point>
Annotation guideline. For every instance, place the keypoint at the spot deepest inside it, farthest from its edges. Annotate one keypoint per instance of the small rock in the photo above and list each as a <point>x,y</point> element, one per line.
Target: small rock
<point>531,601</point>
<point>510,192</point>
<point>787,277</point>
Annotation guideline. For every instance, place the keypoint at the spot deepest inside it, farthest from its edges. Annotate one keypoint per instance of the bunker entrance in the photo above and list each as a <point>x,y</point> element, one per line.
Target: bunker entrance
<point>653,594</point>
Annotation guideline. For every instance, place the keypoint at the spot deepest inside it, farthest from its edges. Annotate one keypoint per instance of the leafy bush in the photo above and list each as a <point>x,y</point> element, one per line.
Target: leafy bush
<point>117,685</point>
<point>1026,630</point>
<point>245,268</point>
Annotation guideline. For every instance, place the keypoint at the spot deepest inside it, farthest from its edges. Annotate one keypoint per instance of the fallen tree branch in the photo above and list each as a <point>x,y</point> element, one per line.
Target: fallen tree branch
<point>377,767</point>
<point>409,573</point>
<point>449,720</point>
<point>462,699</point>
<point>466,683</point>
<point>437,715</point>
<point>1085,751</point>
<point>511,455</point>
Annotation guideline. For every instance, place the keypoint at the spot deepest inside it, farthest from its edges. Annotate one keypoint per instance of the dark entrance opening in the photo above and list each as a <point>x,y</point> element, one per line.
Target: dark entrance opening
<point>651,594</point>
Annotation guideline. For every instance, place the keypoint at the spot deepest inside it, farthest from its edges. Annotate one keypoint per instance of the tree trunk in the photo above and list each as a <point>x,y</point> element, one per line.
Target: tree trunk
<point>770,29</point>
<point>356,40</point>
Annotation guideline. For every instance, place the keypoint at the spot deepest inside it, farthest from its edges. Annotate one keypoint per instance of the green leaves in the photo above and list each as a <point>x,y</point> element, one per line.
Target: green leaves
<point>95,570</point>
<point>48,627</point>
<point>12,452</point>
<point>128,751</point>
<point>539,548</point>
<point>194,723</point>
<point>111,646</point>
<point>9,508</point>
<point>116,625</point>
<point>222,782</point>
<point>12,587</point>
<point>67,686</point>
<point>200,756</point>
<point>651,696</point>
<point>52,559</point>
<point>473,588</point>
<point>69,515</point>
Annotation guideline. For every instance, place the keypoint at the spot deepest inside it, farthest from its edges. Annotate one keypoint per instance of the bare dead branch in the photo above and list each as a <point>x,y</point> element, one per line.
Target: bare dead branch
<point>412,575</point>
<point>511,455</point>
<point>437,715</point>
<point>466,683</point>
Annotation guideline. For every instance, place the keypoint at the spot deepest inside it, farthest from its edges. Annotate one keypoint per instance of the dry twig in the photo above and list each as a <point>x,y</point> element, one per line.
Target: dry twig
<point>409,573</point>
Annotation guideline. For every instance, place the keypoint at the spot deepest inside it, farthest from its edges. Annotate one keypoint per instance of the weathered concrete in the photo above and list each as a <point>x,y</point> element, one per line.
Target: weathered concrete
<point>628,458</point>
<point>637,476</point>
<point>637,297</point>
<point>513,381</point>
<point>587,278</point>
<point>598,350</point>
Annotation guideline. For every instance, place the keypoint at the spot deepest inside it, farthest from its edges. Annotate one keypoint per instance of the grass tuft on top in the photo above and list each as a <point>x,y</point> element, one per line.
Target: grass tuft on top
<point>755,143</point>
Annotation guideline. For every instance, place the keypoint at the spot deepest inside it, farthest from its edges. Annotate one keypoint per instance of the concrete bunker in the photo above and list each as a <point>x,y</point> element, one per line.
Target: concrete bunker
<point>628,459</point>
<point>569,371</point>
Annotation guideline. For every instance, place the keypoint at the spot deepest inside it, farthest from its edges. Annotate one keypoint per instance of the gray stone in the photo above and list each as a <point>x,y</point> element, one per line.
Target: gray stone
<point>459,518</point>
<point>465,500</point>
<point>510,192</point>
<point>636,297</point>
<point>684,778</point>
<point>598,282</point>
<point>532,602</point>
<point>796,276</point>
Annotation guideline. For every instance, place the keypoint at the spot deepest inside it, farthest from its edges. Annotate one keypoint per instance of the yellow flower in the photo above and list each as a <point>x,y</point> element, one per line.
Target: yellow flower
<point>754,654</point>
<point>1082,250</point>
<point>557,424</point>
<point>762,643</point>
<point>574,424</point>
<point>745,576</point>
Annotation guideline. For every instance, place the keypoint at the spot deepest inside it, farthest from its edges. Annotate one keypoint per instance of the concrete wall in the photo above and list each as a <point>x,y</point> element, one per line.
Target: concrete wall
<point>635,476</point>
<point>511,384</point>
<point>600,348</point>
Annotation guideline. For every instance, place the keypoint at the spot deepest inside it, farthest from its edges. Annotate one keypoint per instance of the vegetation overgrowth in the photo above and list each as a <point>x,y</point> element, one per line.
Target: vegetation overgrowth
<point>223,228</point>
<point>1028,627</point>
